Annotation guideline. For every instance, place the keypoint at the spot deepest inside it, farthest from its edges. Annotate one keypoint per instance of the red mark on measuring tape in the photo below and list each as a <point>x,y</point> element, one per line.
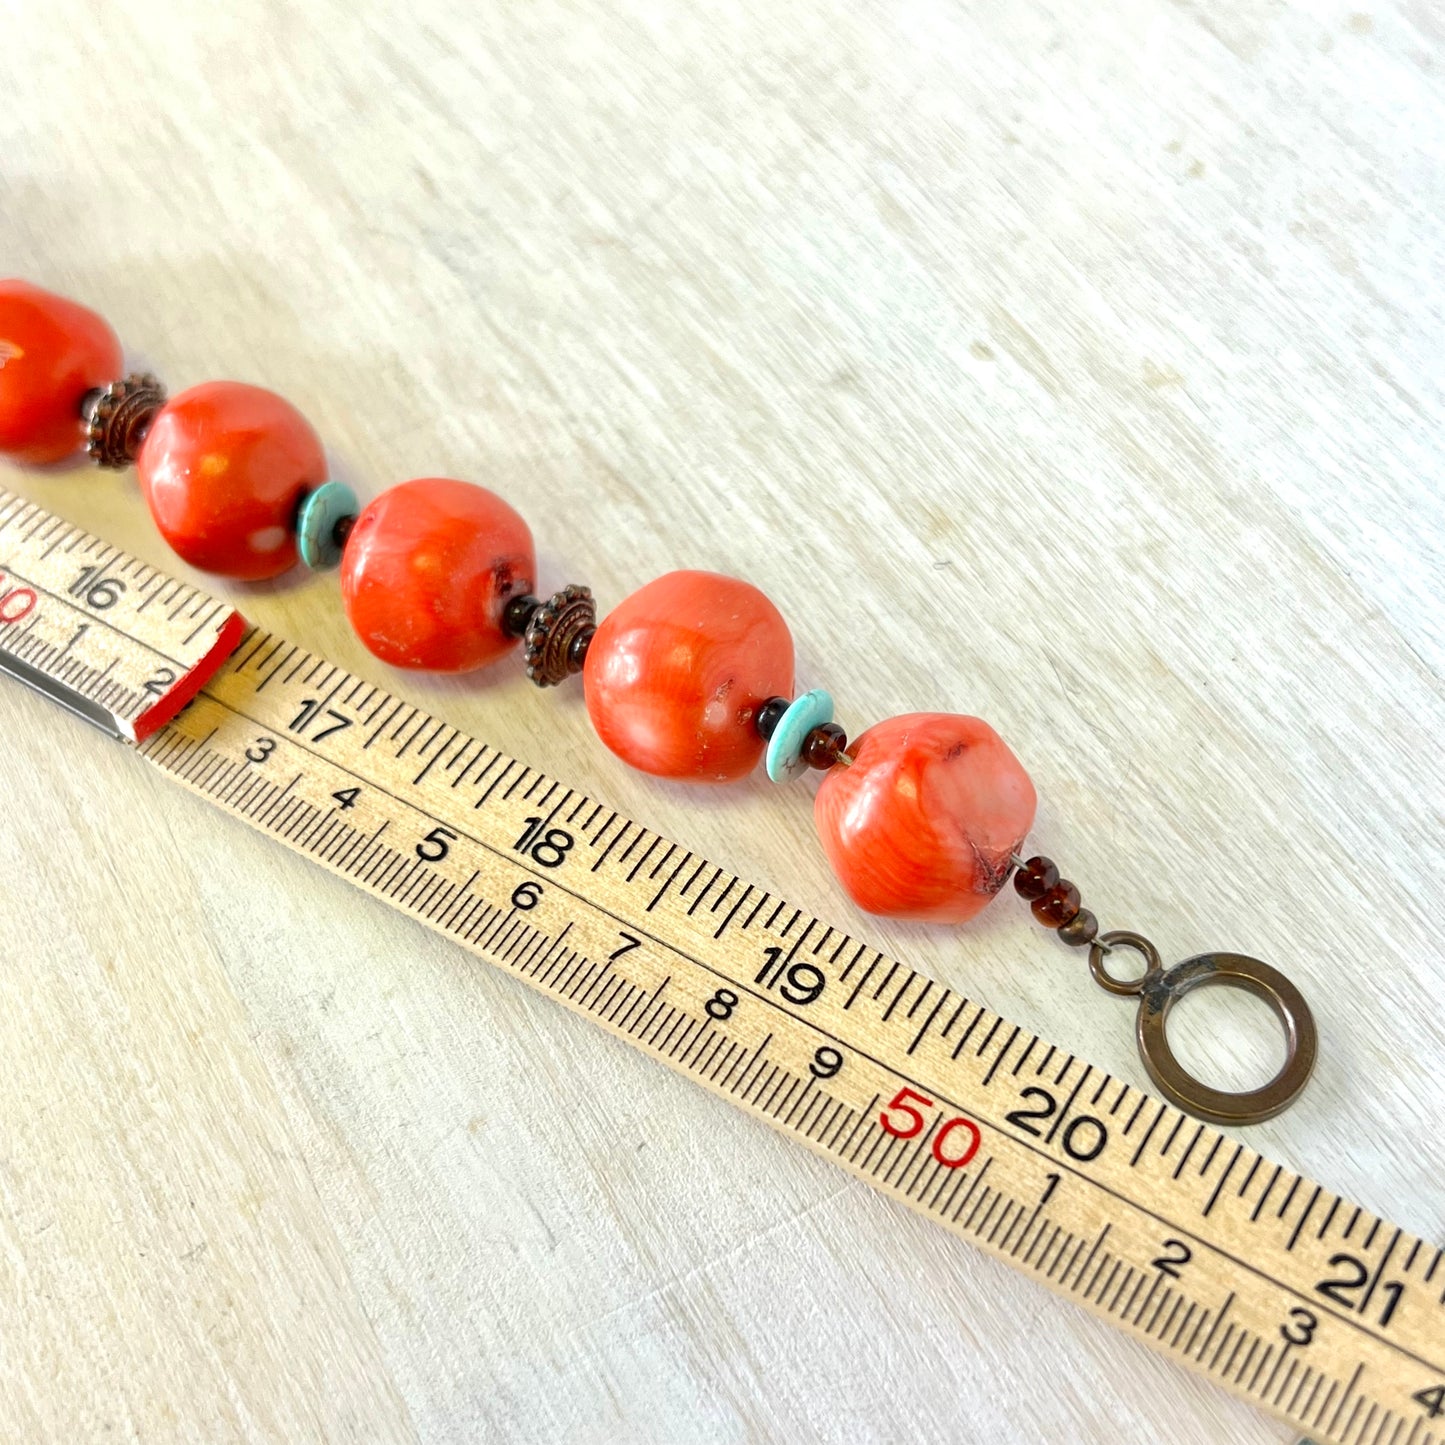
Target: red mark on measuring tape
<point>970,1146</point>
<point>181,690</point>
<point>957,1155</point>
<point>15,603</point>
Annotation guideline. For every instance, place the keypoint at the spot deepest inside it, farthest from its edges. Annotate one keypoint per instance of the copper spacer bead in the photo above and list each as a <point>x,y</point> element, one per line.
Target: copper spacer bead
<point>1058,905</point>
<point>558,633</point>
<point>1082,928</point>
<point>1035,878</point>
<point>118,416</point>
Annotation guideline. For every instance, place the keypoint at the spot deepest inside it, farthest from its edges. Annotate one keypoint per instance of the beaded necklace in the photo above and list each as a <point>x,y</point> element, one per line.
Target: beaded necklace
<point>922,817</point>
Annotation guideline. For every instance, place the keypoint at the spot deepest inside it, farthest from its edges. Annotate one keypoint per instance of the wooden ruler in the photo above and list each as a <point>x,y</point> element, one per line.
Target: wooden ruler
<point>105,635</point>
<point>1259,1279</point>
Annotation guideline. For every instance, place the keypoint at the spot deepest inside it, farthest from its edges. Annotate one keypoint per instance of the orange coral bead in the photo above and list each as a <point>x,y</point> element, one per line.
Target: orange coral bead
<point>676,674</point>
<point>52,351</point>
<point>223,469</point>
<point>923,823</point>
<point>428,570</point>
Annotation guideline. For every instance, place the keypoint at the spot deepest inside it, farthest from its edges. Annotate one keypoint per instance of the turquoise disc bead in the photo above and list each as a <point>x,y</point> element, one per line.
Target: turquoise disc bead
<point>785,747</point>
<point>316,523</point>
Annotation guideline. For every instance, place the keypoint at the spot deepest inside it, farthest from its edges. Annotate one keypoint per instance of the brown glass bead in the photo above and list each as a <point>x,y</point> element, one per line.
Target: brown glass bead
<point>1082,928</point>
<point>770,715</point>
<point>822,746</point>
<point>1035,878</point>
<point>1058,905</point>
<point>577,648</point>
<point>517,614</point>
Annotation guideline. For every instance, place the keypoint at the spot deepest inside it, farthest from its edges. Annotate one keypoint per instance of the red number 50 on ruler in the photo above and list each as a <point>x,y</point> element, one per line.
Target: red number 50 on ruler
<point>952,1157</point>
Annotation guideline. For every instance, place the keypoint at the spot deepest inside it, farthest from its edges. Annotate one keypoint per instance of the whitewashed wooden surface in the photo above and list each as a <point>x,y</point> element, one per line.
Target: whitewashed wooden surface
<point>1077,366</point>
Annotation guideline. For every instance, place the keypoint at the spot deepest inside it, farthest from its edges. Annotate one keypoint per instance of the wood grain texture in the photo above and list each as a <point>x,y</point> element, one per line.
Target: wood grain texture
<point>1082,371</point>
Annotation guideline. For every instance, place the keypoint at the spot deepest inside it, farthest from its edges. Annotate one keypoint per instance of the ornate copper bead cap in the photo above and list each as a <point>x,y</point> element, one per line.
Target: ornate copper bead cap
<point>118,416</point>
<point>555,642</point>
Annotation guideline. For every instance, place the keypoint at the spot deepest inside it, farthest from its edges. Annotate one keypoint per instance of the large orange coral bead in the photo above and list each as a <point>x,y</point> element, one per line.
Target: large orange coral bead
<point>52,352</point>
<point>922,824</point>
<point>223,468</point>
<point>428,570</point>
<point>676,674</point>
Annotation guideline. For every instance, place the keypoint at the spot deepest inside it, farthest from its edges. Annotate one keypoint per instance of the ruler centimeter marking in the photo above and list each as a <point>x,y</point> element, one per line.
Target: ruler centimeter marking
<point>1224,1261</point>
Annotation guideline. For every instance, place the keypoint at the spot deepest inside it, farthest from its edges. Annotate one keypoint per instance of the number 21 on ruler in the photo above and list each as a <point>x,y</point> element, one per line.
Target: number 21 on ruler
<point>952,1153</point>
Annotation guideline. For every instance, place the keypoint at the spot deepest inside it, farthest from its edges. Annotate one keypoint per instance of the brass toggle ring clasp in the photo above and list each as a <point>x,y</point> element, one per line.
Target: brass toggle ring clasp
<point>1159,990</point>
